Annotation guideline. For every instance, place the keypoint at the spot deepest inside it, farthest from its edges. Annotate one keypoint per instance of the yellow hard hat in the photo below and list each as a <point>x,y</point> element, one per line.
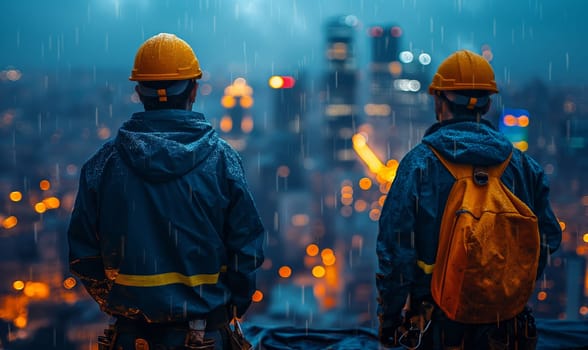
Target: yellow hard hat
<point>165,57</point>
<point>464,70</point>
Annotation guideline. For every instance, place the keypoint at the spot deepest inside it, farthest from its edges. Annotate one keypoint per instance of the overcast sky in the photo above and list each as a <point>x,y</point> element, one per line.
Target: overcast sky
<point>529,38</point>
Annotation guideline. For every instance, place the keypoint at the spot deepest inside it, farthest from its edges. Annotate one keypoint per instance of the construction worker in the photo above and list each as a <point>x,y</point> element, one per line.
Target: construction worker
<point>409,225</point>
<point>165,235</point>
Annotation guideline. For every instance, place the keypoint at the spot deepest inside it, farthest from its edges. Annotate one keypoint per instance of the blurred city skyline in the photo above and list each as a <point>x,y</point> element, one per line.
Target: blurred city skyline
<point>321,141</point>
<point>529,39</point>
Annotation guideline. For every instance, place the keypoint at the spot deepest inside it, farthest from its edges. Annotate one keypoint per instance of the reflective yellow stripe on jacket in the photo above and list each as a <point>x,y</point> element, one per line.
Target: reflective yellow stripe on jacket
<point>428,269</point>
<point>164,279</point>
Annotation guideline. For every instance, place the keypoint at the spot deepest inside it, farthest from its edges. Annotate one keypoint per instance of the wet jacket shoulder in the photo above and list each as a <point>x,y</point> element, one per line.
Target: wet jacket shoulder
<point>167,208</point>
<point>411,216</point>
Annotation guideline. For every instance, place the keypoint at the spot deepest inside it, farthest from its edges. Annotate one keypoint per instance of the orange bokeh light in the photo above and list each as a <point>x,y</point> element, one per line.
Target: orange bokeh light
<point>318,271</point>
<point>9,222</point>
<point>285,271</point>
<point>247,124</point>
<point>283,171</point>
<point>257,296</point>
<point>44,185</point>
<point>20,321</point>
<point>51,202</point>
<point>246,101</point>
<point>327,252</point>
<point>375,214</point>
<point>69,283</point>
<point>40,207</point>
<point>329,260</point>
<point>226,123</point>
<point>18,285</point>
<point>523,121</point>
<point>365,183</point>
<point>541,296</point>
<point>228,101</point>
<point>37,290</point>
<point>15,196</point>
<point>360,205</point>
<point>312,249</point>
<point>510,120</point>
<point>319,290</point>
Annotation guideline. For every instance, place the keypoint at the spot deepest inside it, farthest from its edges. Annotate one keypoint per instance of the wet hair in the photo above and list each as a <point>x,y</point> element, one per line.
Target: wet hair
<point>462,109</point>
<point>173,101</point>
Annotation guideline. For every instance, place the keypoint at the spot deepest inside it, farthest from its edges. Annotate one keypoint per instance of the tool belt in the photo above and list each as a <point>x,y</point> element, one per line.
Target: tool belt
<point>164,336</point>
<point>417,332</point>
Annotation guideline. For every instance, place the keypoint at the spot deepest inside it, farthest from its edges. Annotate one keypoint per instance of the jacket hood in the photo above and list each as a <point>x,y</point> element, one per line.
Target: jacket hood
<point>165,144</point>
<point>469,142</point>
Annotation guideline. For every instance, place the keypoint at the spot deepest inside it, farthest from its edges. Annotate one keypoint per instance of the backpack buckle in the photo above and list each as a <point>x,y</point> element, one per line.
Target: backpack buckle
<point>480,176</point>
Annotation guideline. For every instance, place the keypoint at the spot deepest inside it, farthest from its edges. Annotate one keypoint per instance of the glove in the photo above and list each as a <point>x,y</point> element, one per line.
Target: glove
<point>387,336</point>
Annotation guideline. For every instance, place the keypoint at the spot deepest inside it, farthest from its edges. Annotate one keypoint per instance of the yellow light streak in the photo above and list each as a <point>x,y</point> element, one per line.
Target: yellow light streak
<point>383,173</point>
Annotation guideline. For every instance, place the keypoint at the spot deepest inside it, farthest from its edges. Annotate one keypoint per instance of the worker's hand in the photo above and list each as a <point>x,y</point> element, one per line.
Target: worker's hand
<point>387,336</point>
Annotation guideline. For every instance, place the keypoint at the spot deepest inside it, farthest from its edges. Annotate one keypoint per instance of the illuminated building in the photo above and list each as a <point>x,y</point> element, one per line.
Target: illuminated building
<point>514,124</point>
<point>237,122</point>
<point>397,95</point>
<point>289,106</point>
<point>341,80</point>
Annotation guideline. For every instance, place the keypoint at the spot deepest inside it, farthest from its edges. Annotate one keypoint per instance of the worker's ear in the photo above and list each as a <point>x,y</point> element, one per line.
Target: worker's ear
<point>438,107</point>
<point>137,91</point>
<point>487,106</point>
<point>193,92</point>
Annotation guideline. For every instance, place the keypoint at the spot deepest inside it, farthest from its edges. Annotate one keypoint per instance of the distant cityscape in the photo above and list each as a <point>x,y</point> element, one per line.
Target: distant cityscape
<point>320,152</point>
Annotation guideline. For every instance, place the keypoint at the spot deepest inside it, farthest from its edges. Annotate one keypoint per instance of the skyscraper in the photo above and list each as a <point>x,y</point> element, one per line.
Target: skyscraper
<point>341,77</point>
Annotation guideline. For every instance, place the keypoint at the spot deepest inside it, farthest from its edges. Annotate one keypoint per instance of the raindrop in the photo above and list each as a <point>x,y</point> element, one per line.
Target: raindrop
<point>276,221</point>
<point>442,34</point>
<point>302,301</point>
<point>35,232</point>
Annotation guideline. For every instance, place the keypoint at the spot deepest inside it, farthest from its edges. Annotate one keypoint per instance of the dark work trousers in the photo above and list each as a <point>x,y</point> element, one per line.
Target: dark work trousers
<point>162,337</point>
<point>518,333</point>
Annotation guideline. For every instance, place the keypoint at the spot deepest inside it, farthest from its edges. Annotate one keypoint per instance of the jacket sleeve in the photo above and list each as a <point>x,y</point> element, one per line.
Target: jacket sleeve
<point>549,228</point>
<point>395,247</point>
<point>245,235</point>
<point>85,260</point>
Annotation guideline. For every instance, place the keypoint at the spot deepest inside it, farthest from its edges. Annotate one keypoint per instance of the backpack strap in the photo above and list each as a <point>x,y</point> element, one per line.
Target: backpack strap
<point>459,171</point>
<point>499,169</point>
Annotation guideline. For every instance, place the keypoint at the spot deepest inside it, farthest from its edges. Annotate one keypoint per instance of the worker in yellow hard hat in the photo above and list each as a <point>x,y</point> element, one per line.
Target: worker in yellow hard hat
<point>410,223</point>
<point>166,70</point>
<point>462,86</point>
<point>165,234</point>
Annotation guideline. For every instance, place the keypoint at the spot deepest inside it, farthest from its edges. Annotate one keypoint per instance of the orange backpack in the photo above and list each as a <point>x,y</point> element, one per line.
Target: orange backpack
<point>488,249</point>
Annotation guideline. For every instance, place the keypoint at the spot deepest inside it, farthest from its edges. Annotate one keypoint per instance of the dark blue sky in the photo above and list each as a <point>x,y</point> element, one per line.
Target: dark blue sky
<point>529,38</point>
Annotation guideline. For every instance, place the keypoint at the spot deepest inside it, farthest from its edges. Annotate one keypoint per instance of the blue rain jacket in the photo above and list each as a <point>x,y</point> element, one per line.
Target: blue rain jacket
<point>164,227</point>
<point>411,216</point>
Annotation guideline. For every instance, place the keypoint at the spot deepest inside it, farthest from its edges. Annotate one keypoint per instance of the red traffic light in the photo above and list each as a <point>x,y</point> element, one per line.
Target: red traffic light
<point>396,31</point>
<point>281,82</point>
<point>376,31</point>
